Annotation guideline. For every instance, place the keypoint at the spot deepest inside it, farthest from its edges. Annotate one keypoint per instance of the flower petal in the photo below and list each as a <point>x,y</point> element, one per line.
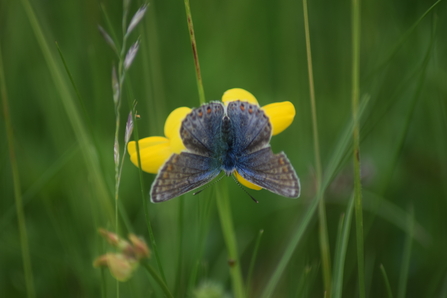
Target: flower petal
<point>238,93</point>
<point>281,115</point>
<point>154,151</point>
<point>172,128</point>
<point>245,182</point>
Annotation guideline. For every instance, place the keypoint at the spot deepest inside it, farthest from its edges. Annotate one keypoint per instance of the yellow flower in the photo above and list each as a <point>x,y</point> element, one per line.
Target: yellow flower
<point>154,151</point>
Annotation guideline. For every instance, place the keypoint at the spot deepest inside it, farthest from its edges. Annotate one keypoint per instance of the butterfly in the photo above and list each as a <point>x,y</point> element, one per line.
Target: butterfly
<point>225,138</point>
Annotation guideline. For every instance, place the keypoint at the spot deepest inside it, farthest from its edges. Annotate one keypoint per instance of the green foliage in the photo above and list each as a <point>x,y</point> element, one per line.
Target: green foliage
<point>64,147</point>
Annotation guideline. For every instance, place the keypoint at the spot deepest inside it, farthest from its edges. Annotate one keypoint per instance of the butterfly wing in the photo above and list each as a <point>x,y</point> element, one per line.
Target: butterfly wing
<point>201,134</point>
<point>256,161</point>
<point>273,172</point>
<point>182,173</point>
<point>251,127</point>
<point>201,129</point>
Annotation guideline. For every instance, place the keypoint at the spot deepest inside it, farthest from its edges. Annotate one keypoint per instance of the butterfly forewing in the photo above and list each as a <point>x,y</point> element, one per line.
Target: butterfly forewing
<point>252,127</point>
<point>201,129</point>
<point>273,172</point>
<point>182,173</point>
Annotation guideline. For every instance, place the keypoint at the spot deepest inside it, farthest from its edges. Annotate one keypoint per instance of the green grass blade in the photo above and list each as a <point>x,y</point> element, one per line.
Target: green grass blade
<point>21,218</point>
<point>386,281</point>
<point>339,151</point>
<point>253,260</point>
<point>88,151</point>
<point>406,257</point>
<point>194,53</point>
<point>323,233</point>
<point>157,278</point>
<point>103,283</point>
<point>44,178</point>
<point>340,251</point>
<point>355,6</point>
<point>143,193</point>
<point>78,95</point>
<point>203,212</point>
<point>224,210</point>
<point>412,107</point>
<point>401,41</point>
<point>179,271</point>
<point>397,216</point>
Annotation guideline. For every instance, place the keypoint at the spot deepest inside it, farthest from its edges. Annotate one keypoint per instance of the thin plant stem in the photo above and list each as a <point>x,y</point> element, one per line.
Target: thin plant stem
<point>253,261</point>
<point>121,77</point>
<point>406,257</point>
<point>179,280</point>
<point>409,114</point>
<point>110,27</point>
<point>26,257</point>
<point>323,233</point>
<point>144,200</point>
<point>297,234</point>
<point>157,278</point>
<point>203,221</point>
<point>340,250</point>
<point>84,139</point>
<point>224,209</point>
<point>387,282</point>
<point>356,144</point>
<point>223,203</point>
<point>142,191</point>
<point>400,42</point>
<point>103,283</point>
<point>194,53</point>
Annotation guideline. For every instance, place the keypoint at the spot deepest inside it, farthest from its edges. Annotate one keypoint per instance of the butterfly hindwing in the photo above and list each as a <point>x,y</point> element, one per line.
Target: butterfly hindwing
<point>201,129</point>
<point>273,172</point>
<point>252,128</point>
<point>182,173</point>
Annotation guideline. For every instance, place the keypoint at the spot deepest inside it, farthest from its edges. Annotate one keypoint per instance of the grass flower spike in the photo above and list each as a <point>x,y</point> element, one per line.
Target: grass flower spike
<point>155,151</point>
<point>124,262</point>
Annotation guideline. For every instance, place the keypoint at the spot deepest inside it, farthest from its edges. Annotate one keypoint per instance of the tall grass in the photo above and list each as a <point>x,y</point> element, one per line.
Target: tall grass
<point>382,91</point>
<point>24,245</point>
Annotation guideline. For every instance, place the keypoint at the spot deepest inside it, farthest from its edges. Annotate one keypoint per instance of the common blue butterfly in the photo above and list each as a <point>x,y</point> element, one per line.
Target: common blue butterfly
<point>225,138</point>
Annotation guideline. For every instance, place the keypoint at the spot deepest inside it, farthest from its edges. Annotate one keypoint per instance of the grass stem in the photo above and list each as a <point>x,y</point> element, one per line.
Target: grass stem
<point>253,261</point>
<point>406,256</point>
<point>224,209</point>
<point>157,278</point>
<point>26,257</point>
<point>356,144</point>
<point>387,282</point>
<point>340,250</point>
<point>223,203</point>
<point>194,53</point>
<point>323,233</point>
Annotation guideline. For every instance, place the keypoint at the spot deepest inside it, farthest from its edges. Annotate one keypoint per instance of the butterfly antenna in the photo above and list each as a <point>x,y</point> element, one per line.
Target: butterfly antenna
<point>211,184</point>
<point>237,182</point>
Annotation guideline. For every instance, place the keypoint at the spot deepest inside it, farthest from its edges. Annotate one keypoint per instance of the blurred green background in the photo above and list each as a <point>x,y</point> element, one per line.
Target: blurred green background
<point>258,46</point>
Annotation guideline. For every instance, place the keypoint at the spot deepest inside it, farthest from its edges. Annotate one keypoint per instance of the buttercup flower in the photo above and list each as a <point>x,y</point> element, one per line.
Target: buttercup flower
<point>154,151</point>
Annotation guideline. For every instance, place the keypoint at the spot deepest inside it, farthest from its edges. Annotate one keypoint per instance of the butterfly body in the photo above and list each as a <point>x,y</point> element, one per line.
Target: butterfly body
<point>219,138</point>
